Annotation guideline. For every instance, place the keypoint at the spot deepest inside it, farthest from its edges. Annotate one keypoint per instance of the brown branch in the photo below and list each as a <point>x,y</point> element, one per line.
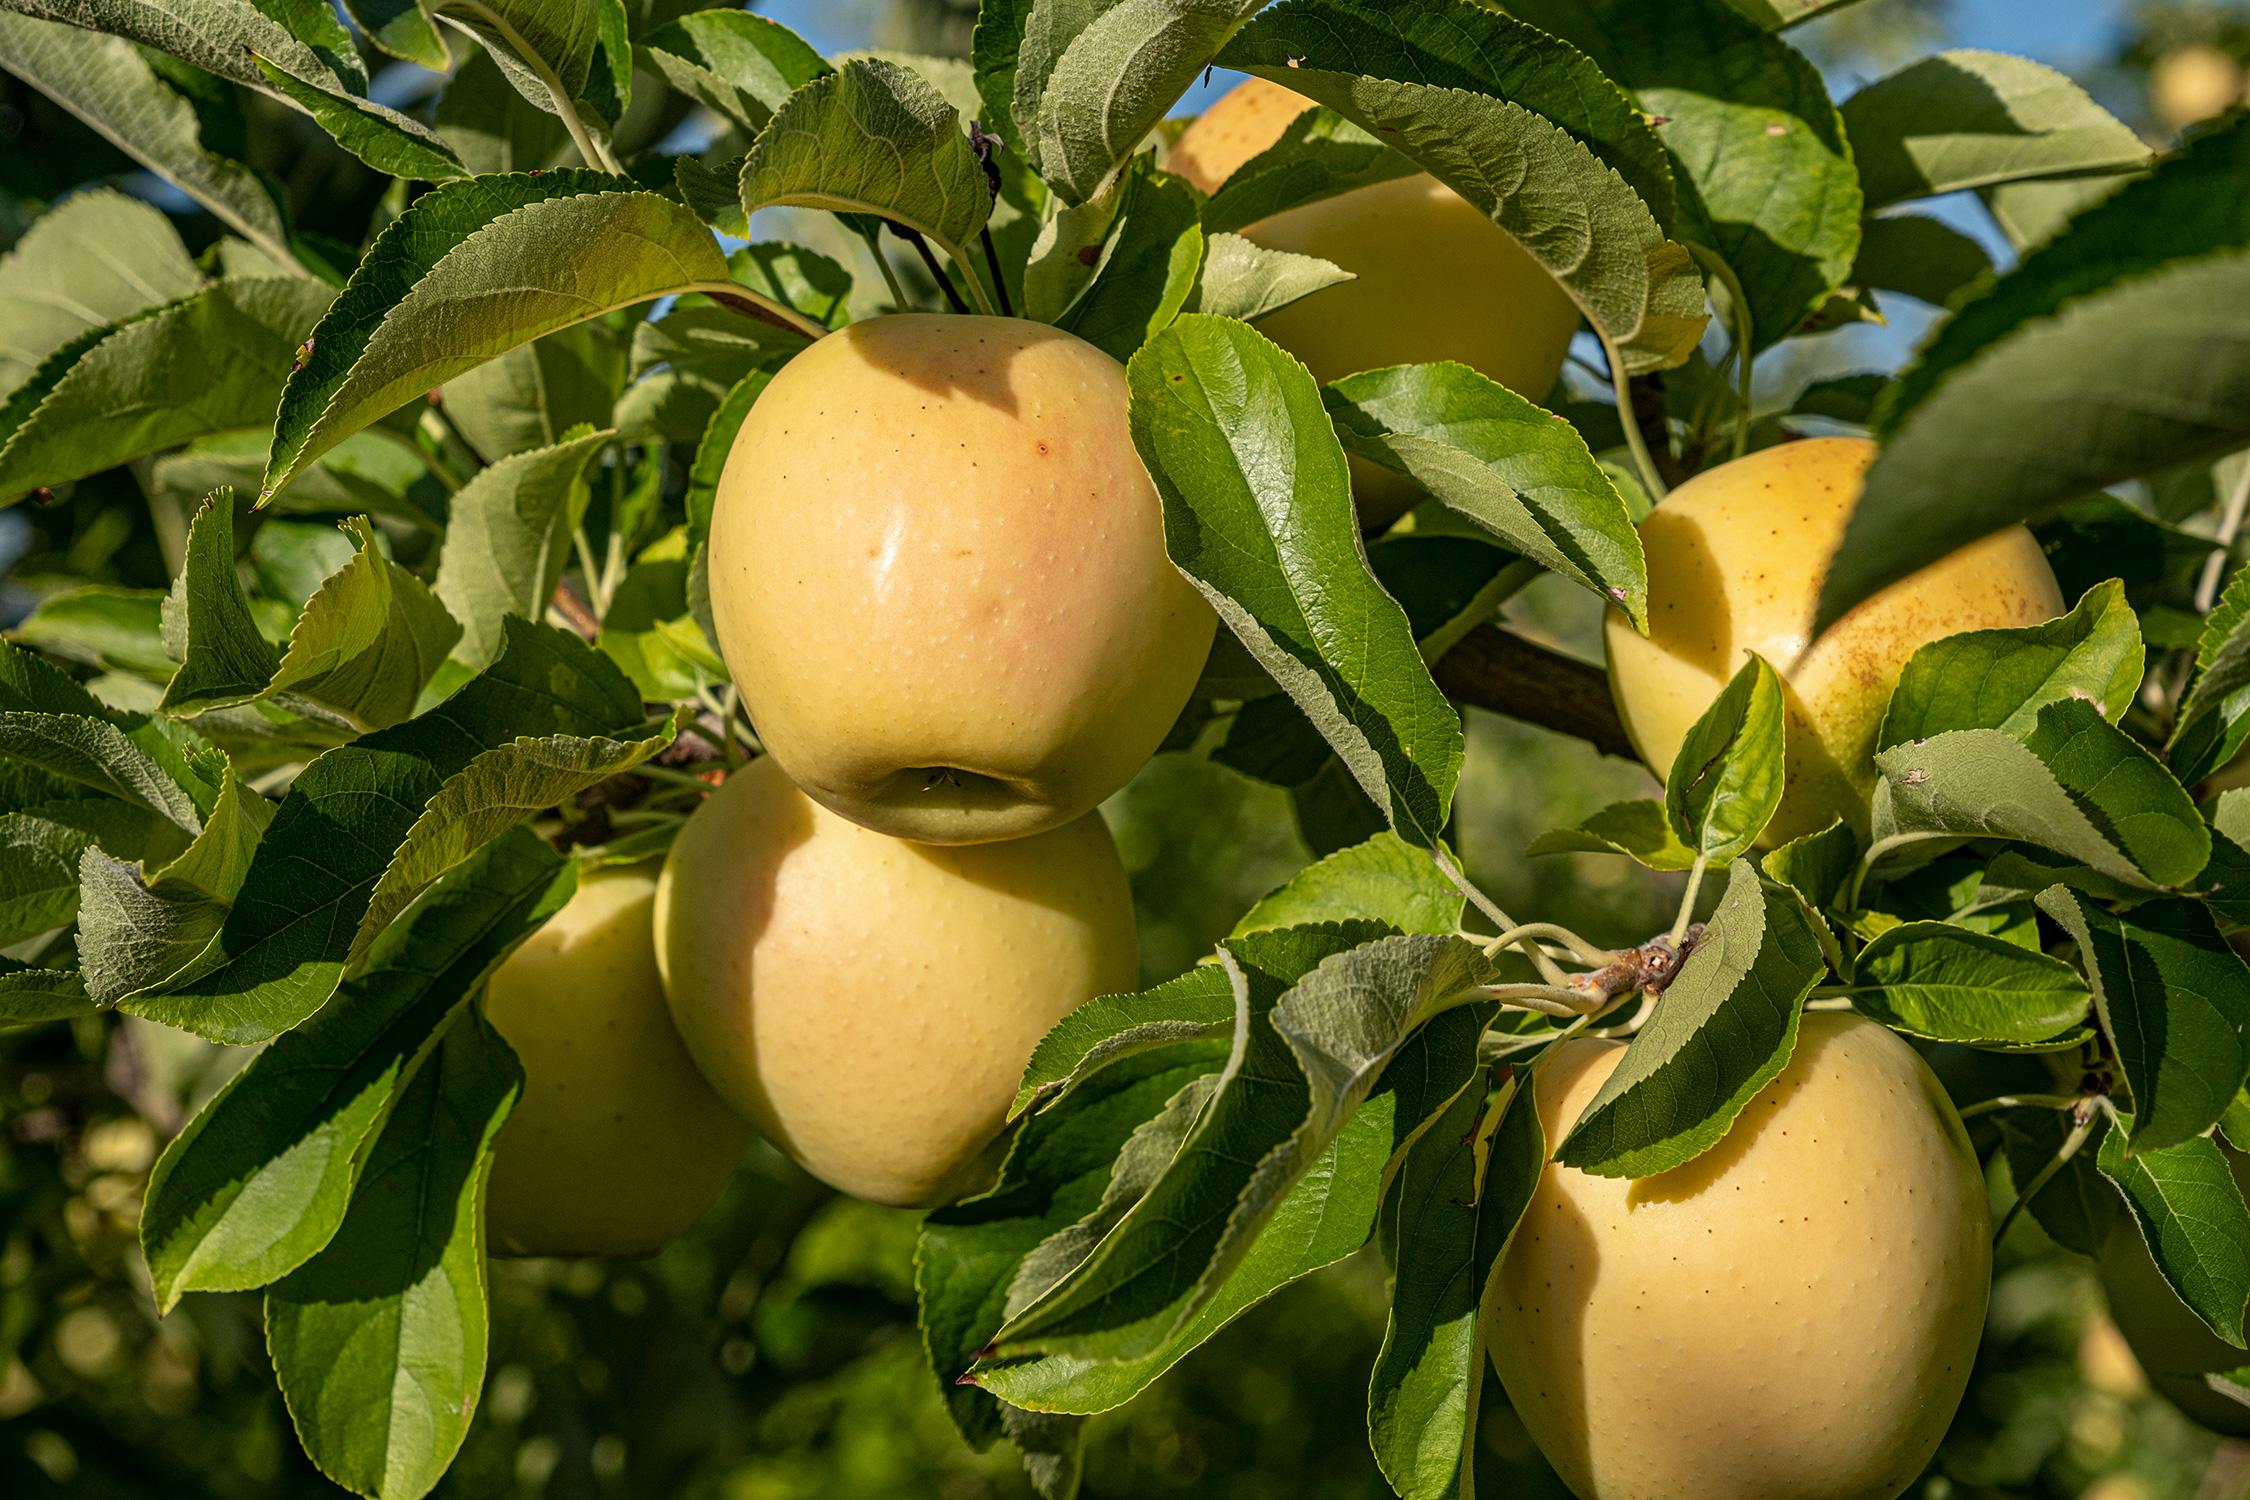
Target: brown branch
<point>1509,675</point>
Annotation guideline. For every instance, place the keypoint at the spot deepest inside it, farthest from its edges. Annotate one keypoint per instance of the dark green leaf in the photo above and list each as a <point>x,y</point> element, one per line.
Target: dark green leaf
<point>1724,1030</point>
<point>379,1341</point>
<point>737,65</point>
<point>1947,984</point>
<point>2001,679</point>
<point>257,1182</point>
<point>2191,1215</point>
<point>1638,829</point>
<point>2110,351</point>
<point>1459,1198</point>
<point>2174,1001</point>
<point>508,537</point>
<point>210,363</point>
<point>1258,513</point>
<point>2078,786</point>
<point>357,818</point>
<point>873,138</point>
<point>1966,119</point>
<point>1726,780</point>
<point>1520,472</point>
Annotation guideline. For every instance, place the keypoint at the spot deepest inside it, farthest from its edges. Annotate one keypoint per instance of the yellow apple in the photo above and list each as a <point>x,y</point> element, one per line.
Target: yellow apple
<point>1736,557</point>
<point>1435,278</point>
<point>2172,1344</point>
<point>868,1003</point>
<point>2193,83</point>
<point>1790,1316</point>
<point>938,574</point>
<point>617,1145</point>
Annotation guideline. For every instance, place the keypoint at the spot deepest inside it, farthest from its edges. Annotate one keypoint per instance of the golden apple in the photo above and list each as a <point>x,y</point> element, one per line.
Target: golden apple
<point>617,1145</point>
<point>1790,1316</point>
<point>938,574</point>
<point>2174,1347</point>
<point>1435,278</point>
<point>1736,557</point>
<point>868,1003</point>
<point>2194,83</point>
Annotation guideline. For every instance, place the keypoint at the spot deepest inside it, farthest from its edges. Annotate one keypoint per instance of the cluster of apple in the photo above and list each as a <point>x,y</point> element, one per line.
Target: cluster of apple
<point>938,575</point>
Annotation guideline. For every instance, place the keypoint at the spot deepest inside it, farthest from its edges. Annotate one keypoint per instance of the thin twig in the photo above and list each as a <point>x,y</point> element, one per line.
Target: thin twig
<point>929,259</point>
<point>2020,1101</point>
<point>999,282</point>
<point>2087,1114</point>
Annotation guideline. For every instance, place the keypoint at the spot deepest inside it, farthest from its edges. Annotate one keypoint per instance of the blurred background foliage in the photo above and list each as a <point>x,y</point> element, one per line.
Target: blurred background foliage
<point>772,1354</point>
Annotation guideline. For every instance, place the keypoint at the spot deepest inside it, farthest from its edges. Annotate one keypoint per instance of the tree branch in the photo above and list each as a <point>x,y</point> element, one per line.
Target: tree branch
<point>1509,675</point>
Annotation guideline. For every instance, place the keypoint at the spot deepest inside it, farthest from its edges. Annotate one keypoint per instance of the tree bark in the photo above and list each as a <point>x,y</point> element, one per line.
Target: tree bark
<point>1507,674</point>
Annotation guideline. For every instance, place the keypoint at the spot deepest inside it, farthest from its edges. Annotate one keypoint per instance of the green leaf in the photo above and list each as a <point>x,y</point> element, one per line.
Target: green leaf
<point>1242,279</point>
<point>356,817</point>
<point>1459,1198</point>
<point>1638,829</point>
<point>509,537</point>
<point>1765,177</point>
<point>33,997</point>
<point>1258,514</point>
<point>1483,104</point>
<point>873,138</point>
<point>2112,350</point>
<point>1057,1173</point>
<point>533,394</point>
<point>209,363</point>
<point>2076,1205</point>
<point>1965,119</point>
<point>1196,1006</point>
<point>1328,1214</point>
<point>1724,1030</point>
<point>379,1341</point>
<point>2001,679</point>
<point>138,928</point>
<point>493,128</point>
<point>1726,781</point>
<point>1320,155</point>
<point>362,651</point>
<point>94,755</point>
<point>2174,1001</point>
<point>739,66</point>
<point>2078,785</point>
<point>1947,984</point>
<point>472,269</point>
<point>1815,865</point>
<point>257,1182</point>
<point>38,874</point>
<point>107,82</point>
<point>2191,1216</point>
<point>1777,14</point>
<point>93,260</point>
<point>1304,1073</point>
<point>1920,256</point>
<point>1384,879</point>
<point>2213,721</point>
<point>1093,77</point>
<point>1520,472</point>
<point>1122,265</point>
<point>99,625</point>
<point>386,140</point>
